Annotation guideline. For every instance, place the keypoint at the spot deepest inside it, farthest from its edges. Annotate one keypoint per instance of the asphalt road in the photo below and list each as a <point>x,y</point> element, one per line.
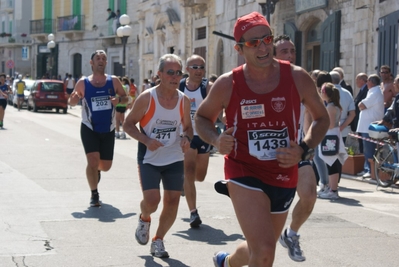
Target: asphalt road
<point>46,221</point>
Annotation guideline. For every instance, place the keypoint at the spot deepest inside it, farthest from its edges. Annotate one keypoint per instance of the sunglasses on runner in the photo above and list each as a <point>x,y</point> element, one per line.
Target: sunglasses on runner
<point>172,72</point>
<point>268,39</point>
<point>197,67</point>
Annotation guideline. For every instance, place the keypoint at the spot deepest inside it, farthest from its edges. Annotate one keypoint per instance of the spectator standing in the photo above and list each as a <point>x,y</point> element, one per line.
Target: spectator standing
<point>331,95</point>
<point>386,86</point>
<point>347,105</point>
<point>70,85</point>
<point>361,83</point>
<point>213,78</point>
<point>146,85</point>
<point>97,130</point>
<point>371,109</point>
<point>260,97</point>
<point>160,111</point>
<point>342,82</point>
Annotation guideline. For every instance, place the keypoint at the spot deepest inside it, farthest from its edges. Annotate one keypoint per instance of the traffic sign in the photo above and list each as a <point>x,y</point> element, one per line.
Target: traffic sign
<point>10,64</point>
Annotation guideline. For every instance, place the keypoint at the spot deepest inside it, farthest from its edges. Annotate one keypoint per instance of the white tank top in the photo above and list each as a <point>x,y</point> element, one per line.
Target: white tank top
<point>164,125</point>
<point>195,100</point>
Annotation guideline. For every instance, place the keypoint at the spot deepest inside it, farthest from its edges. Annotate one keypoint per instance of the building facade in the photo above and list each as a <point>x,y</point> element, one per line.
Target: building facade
<point>357,35</point>
<point>15,42</point>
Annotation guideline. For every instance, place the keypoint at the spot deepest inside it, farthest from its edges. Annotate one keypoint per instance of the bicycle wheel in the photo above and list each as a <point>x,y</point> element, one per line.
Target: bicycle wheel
<point>383,165</point>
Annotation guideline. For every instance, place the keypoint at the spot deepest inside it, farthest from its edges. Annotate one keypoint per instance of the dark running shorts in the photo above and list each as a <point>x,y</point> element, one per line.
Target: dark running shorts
<point>120,109</point>
<point>98,142</point>
<point>280,198</point>
<point>200,145</point>
<point>3,103</point>
<point>69,91</point>
<point>172,176</point>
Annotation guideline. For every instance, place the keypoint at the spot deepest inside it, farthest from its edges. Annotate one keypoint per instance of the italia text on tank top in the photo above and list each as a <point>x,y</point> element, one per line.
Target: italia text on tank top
<point>195,100</point>
<point>262,123</point>
<point>98,113</point>
<point>164,125</point>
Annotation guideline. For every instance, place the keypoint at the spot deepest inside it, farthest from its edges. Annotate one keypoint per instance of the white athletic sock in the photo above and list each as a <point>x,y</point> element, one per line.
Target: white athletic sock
<point>290,232</point>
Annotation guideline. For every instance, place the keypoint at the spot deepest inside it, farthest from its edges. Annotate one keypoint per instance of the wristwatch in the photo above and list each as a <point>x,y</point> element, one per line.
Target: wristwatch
<point>308,153</point>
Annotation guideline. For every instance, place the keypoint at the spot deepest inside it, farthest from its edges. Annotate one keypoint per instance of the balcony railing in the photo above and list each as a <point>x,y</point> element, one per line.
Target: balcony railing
<point>71,23</point>
<point>42,26</point>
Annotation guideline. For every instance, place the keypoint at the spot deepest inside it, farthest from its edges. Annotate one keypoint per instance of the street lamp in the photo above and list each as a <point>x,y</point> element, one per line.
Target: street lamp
<point>268,7</point>
<point>51,46</point>
<point>124,32</point>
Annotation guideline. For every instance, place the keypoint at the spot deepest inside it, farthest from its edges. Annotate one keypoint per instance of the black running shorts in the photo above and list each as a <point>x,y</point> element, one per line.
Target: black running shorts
<point>98,142</point>
<point>172,176</point>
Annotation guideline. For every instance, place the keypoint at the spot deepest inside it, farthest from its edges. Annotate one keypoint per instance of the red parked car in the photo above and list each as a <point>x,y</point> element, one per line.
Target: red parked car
<point>48,94</point>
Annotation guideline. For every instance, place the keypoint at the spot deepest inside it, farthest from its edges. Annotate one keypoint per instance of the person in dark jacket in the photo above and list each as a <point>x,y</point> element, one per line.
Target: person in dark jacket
<point>361,83</point>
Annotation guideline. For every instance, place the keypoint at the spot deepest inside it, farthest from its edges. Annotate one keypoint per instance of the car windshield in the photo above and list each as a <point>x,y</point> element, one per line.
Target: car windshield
<point>52,87</point>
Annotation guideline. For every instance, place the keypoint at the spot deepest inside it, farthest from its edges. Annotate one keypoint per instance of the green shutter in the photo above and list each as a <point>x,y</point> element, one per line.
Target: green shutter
<point>48,16</point>
<point>111,4</point>
<point>77,7</point>
<point>123,7</point>
<point>330,40</point>
<point>77,11</point>
<point>388,41</point>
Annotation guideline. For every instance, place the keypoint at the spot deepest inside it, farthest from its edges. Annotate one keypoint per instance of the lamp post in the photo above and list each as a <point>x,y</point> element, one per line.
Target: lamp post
<point>124,32</point>
<point>268,7</point>
<point>51,46</point>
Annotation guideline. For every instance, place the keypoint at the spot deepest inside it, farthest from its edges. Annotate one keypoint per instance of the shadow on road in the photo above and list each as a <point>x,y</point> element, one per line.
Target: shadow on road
<point>105,213</point>
<point>149,262</point>
<point>207,234</point>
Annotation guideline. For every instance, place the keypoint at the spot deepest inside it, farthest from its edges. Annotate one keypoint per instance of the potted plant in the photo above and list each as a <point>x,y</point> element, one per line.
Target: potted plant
<point>354,163</point>
<point>3,34</point>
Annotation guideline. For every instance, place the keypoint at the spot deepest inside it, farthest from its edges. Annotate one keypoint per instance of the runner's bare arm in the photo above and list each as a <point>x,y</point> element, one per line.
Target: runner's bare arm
<point>78,92</point>
<point>122,99</point>
<point>187,126</point>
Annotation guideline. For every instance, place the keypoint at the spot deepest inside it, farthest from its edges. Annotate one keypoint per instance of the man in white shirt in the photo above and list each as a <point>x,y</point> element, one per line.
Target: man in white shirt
<point>371,109</point>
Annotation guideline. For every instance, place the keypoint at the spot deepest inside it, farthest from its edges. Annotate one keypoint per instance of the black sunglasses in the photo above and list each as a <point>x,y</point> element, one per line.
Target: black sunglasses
<point>172,72</point>
<point>197,67</point>
<point>384,72</point>
<point>268,39</point>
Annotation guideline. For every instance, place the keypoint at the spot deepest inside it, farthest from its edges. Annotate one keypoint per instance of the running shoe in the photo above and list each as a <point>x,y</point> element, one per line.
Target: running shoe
<point>1,124</point>
<point>117,135</point>
<point>323,189</point>
<point>329,195</point>
<point>123,135</point>
<point>195,219</point>
<point>292,244</point>
<point>143,232</point>
<point>158,249</point>
<point>95,200</point>
<point>219,259</point>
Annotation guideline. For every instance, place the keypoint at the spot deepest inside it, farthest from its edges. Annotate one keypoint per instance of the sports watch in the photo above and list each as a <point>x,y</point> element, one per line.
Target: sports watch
<point>308,153</point>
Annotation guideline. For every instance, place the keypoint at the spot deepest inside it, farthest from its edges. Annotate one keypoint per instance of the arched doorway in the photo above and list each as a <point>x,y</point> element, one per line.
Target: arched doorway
<point>77,65</point>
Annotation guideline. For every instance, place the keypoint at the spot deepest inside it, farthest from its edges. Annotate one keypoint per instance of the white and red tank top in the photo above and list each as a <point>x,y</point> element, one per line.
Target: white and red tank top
<point>262,123</point>
<point>164,125</point>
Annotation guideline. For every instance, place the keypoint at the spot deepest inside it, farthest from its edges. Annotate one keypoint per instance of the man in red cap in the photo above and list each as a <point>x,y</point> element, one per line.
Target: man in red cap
<point>261,99</point>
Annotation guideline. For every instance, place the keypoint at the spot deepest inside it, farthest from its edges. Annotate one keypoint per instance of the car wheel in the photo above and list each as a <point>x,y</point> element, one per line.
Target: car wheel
<point>65,110</point>
<point>57,110</point>
<point>34,107</point>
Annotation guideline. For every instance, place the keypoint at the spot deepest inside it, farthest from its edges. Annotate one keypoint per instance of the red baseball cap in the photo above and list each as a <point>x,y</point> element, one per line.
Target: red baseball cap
<point>245,23</point>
